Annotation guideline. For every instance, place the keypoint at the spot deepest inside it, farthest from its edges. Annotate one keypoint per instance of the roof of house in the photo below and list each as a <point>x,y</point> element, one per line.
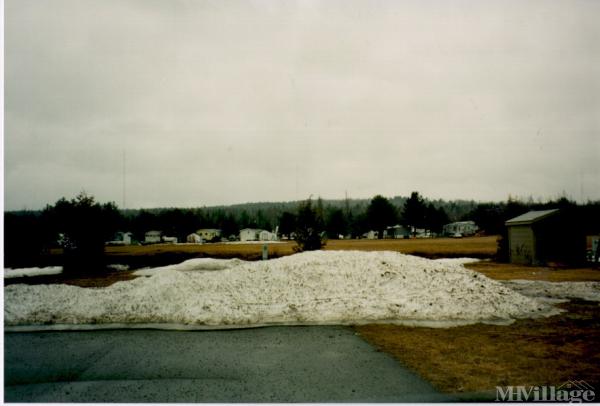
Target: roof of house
<point>208,229</point>
<point>531,217</point>
<point>154,232</point>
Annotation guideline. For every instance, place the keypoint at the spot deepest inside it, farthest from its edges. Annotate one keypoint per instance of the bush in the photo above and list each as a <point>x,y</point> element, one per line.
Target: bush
<point>309,228</point>
<point>82,226</point>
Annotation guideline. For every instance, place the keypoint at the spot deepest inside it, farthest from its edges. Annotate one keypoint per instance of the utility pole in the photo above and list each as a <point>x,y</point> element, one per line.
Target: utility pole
<point>124,180</point>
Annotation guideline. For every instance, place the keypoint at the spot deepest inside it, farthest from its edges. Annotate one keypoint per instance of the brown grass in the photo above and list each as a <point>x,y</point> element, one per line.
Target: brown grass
<point>84,281</point>
<point>480,247</point>
<point>498,271</point>
<point>243,251</point>
<point>479,357</point>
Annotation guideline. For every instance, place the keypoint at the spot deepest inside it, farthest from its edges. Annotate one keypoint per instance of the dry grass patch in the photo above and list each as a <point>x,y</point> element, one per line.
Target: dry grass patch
<point>478,358</point>
<point>85,281</point>
<point>479,247</point>
<point>499,271</point>
<point>242,251</point>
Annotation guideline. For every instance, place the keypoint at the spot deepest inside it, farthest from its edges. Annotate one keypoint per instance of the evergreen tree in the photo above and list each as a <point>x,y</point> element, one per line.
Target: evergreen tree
<point>435,218</point>
<point>287,224</point>
<point>380,214</point>
<point>414,213</point>
<point>336,224</point>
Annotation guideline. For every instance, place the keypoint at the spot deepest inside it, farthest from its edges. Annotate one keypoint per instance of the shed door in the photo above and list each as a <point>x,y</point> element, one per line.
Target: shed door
<point>521,244</point>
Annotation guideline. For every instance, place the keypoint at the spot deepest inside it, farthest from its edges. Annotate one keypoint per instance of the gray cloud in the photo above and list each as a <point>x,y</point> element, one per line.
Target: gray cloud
<point>231,101</point>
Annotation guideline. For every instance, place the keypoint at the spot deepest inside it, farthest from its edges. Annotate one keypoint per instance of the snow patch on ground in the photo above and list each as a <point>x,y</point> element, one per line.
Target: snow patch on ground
<point>319,287</point>
<point>21,272</point>
<point>457,261</point>
<point>556,292</point>
<point>118,267</point>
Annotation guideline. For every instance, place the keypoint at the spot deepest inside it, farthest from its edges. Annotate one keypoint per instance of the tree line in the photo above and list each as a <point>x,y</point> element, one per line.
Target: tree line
<point>30,234</point>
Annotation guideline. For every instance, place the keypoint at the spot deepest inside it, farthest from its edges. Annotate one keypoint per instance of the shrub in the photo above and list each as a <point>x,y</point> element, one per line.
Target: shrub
<point>309,227</point>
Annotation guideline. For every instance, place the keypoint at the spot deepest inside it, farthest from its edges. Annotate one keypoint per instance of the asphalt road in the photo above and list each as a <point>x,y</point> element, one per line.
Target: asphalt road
<point>271,364</point>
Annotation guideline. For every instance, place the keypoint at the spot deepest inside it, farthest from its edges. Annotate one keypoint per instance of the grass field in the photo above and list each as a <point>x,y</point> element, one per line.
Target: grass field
<point>479,247</point>
<point>500,271</point>
<point>479,357</point>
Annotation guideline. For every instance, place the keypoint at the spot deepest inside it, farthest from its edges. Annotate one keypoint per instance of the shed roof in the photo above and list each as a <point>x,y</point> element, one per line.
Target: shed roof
<point>531,217</point>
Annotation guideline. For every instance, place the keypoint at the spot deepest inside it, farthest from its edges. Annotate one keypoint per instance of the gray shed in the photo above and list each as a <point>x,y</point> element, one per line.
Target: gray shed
<point>529,236</point>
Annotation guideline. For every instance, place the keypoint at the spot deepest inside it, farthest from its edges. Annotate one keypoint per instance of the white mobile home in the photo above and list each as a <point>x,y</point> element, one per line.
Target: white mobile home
<point>121,238</point>
<point>371,235</point>
<point>265,235</point>
<point>152,237</point>
<point>396,231</point>
<point>194,239</point>
<point>249,234</point>
<point>462,228</point>
<point>207,234</point>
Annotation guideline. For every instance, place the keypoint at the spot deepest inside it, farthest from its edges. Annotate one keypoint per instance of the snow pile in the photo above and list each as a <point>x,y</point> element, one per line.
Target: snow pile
<point>332,287</point>
<point>556,292</point>
<point>21,272</point>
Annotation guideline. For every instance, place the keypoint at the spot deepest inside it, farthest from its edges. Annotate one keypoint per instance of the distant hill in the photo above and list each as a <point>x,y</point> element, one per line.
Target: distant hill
<point>456,209</point>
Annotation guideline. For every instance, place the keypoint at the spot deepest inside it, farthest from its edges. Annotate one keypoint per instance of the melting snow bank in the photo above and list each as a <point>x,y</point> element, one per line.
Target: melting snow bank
<point>320,287</point>
<point>21,272</point>
<point>556,292</point>
<point>191,265</point>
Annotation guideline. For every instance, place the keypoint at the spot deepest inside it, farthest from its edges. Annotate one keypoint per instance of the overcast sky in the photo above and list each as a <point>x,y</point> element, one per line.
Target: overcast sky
<point>219,102</point>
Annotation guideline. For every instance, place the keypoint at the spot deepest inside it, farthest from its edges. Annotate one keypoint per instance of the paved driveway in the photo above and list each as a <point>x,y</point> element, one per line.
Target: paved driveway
<point>271,364</point>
